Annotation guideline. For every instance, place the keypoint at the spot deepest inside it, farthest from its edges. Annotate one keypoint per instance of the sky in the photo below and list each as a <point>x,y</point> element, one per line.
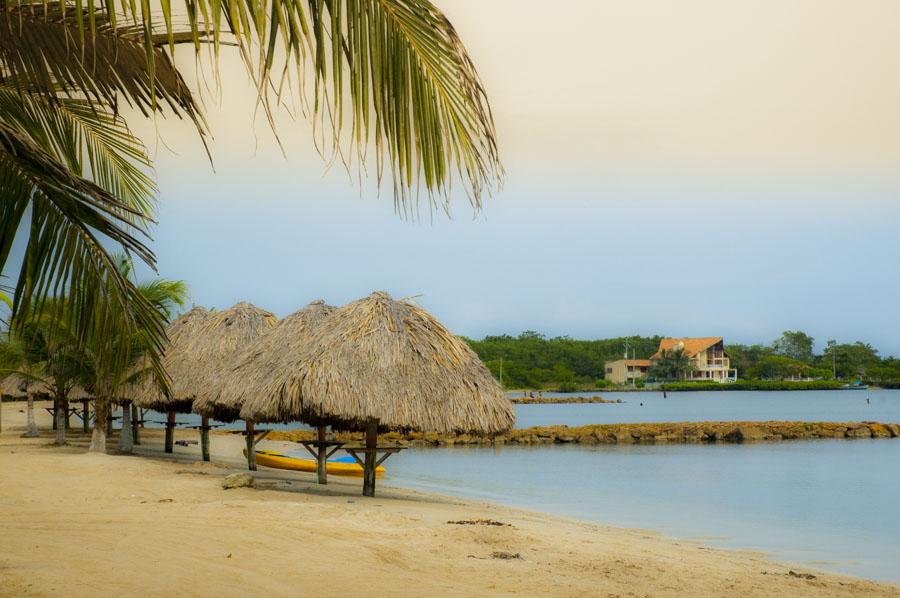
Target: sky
<point>692,168</point>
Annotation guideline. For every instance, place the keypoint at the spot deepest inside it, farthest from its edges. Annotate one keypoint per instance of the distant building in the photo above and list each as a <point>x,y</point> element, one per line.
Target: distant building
<point>626,371</point>
<point>707,355</point>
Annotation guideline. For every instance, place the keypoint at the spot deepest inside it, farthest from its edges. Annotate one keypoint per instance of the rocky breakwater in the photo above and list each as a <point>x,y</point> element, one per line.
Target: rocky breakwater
<point>561,400</point>
<point>672,433</point>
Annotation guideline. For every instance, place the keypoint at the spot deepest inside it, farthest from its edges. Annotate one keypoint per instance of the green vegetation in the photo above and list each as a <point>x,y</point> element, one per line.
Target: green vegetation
<point>531,360</point>
<point>45,350</point>
<point>756,385</point>
<point>534,361</point>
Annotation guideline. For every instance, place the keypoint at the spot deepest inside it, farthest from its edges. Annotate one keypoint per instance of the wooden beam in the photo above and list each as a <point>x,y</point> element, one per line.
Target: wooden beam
<point>136,423</point>
<point>86,416</point>
<point>204,437</point>
<point>369,467</point>
<point>170,431</point>
<point>251,446</point>
<point>322,457</point>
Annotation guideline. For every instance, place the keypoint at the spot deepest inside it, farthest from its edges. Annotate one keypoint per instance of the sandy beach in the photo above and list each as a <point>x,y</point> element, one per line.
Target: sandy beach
<point>80,524</point>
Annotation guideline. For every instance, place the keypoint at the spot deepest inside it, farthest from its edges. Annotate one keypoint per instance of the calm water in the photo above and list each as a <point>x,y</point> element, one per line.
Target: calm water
<point>812,405</point>
<point>827,504</point>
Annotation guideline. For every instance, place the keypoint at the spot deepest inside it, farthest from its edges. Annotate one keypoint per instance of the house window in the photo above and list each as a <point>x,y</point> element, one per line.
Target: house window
<point>609,370</point>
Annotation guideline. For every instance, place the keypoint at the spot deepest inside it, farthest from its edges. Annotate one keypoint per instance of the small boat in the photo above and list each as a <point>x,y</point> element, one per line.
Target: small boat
<point>340,466</point>
<point>858,385</point>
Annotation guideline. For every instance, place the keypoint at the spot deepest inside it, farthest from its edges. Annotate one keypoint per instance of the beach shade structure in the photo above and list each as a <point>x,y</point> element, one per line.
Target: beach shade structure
<point>15,386</point>
<point>77,394</point>
<point>195,356</point>
<point>176,360</point>
<point>382,364</point>
<point>18,386</point>
<point>253,367</point>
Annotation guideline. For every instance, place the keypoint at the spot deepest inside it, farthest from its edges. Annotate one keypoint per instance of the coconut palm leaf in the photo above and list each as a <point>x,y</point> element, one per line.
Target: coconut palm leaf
<point>44,48</point>
<point>388,73</point>
<point>88,138</point>
<point>67,219</point>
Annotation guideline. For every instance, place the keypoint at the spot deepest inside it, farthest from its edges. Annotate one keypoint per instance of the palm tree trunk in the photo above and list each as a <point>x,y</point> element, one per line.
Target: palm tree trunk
<point>61,412</point>
<point>126,439</point>
<point>98,435</point>
<point>31,430</point>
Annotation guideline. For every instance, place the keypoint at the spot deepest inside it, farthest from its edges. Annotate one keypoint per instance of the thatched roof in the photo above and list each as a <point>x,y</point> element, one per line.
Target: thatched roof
<point>260,362</point>
<point>15,385</point>
<point>199,342</point>
<point>18,387</point>
<point>386,359</point>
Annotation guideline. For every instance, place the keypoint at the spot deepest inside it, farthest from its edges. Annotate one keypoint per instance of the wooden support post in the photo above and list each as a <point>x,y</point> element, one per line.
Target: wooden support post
<point>55,412</point>
<point>251,447</point>
<point>136,423</point>
<point>126,440</point>
<point>170,431</point>
<point>322,457</point>
<point>85,414</point>
<point>204,438</point>
<point>369,468</point>
<point>109,421</point>
<point>68,414</point>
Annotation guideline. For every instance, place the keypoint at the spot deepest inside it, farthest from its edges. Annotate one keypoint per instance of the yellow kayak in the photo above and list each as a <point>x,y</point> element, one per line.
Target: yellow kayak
<point>342,466</point>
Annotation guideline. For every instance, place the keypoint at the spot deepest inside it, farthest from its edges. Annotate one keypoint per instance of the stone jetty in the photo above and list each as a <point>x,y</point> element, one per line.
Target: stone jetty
<point>653,433</point>
<point>561,400</point>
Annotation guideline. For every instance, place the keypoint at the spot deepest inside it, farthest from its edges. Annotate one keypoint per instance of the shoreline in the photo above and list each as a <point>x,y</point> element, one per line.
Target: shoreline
<point>111,525</point>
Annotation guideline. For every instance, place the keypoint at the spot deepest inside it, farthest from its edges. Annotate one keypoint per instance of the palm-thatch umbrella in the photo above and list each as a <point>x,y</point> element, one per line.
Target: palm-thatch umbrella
<point>260,361</point>
<point>61,411</point>
<point>146,395</point>
<point>15,386</point>
<point>197,353</point>
<point>18,386</point>
<point>380,363</point>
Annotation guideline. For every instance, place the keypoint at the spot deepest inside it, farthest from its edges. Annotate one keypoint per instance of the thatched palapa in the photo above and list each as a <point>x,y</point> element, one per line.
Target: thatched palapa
<point>15,386</point>
<point>18,386</point>
<point>262,361</point>
<point>178,361</point>
<point>386,360</point>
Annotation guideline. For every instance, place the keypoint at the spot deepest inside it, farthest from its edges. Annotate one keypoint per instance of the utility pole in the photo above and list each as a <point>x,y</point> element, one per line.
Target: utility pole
<point>635,372</point>
<point>833,365</point>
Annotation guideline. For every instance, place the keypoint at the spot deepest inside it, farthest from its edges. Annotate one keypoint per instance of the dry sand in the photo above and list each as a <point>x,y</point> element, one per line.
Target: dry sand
<point>80,524</point>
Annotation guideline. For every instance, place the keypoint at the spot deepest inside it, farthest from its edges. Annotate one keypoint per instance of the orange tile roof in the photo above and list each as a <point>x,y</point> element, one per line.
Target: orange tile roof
<point>645,362</point>
<point>641,362</point>
<point>692,346</point>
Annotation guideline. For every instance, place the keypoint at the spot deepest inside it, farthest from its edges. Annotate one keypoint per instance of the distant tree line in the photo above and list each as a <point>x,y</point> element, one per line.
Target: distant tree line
<point>531,360</point>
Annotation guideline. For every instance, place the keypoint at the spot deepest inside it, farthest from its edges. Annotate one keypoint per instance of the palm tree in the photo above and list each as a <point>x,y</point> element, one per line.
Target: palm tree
<point>388,74</point>
<point>674,364</point>
<point>108,377</point>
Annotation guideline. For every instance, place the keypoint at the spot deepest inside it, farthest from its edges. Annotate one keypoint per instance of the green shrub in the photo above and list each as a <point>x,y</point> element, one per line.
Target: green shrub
<point>754,385</point>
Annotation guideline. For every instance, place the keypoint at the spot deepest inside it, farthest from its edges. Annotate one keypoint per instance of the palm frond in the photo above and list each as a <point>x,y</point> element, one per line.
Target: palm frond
<point>392,74</point>
<point>68,220</point>
<point>48,47</point>
<point>88,138</point>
